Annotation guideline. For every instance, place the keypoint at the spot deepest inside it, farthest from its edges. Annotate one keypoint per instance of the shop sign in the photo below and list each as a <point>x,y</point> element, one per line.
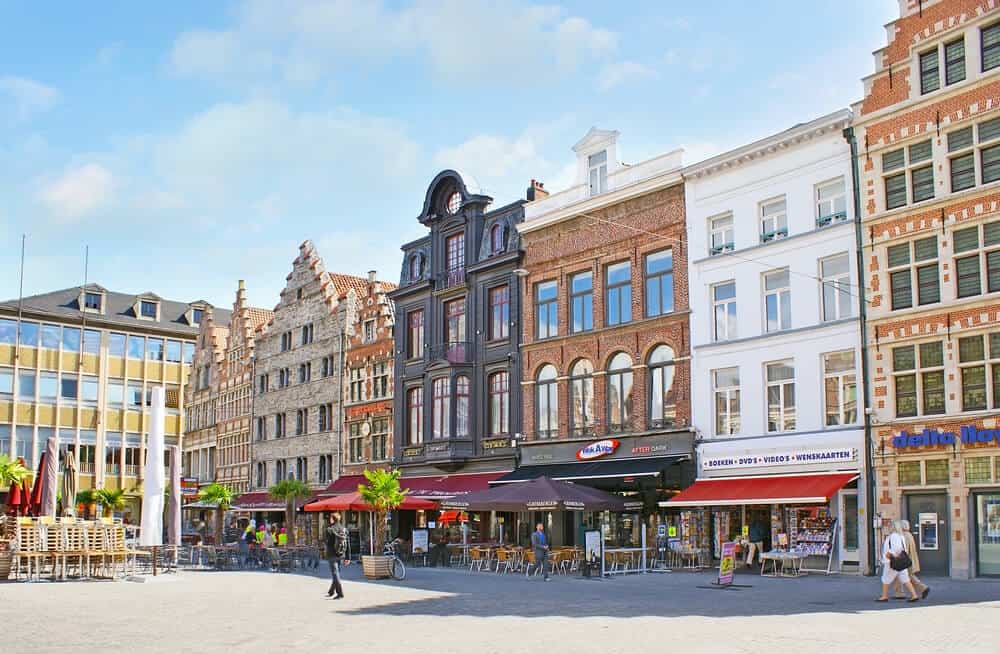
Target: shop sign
<point>789,458</point>
<point>650,449</point>
<point>727,564</point>
<point>968,434</point>
<point>597,450</point>
<point>189,488</point>
<point>495,443</point>
<point>413,451</point>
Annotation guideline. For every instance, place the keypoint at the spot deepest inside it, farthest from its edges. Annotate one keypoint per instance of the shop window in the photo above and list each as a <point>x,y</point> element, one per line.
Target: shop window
<point>581,398</point>
<point>619,393</point>
<point>978,470</point>
<point>662,397</point>
<point>908,473</point>
<point>936,471</point>
<point>919,384</point>
<point>547,402</point>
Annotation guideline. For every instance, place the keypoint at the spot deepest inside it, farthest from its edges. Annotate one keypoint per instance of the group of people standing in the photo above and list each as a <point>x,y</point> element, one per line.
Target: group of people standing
<point>256,537</point>
<point>900,565</point>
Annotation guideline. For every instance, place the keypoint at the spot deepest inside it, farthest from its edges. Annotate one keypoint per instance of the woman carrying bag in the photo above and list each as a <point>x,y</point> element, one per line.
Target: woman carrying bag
<point>895,562</point>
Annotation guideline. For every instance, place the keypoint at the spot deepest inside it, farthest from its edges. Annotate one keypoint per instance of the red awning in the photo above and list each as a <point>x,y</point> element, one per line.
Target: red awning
<point>354,502</point>
<point>261,501</point>
<point>345,484</point>
<point>793,489</point>
<point>445,486</point>
<point>447,517</point>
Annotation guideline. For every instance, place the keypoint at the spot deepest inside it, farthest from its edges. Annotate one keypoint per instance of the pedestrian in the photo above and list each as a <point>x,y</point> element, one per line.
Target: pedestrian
<point>893,559</point>
<point>232,533</point>
<point>268,538</point>
<point>911,549</point>
<point>756,537</point>
<point>246,538</point>
<point>541,549</point>
<point>335,540</point>
<point>282,538</point>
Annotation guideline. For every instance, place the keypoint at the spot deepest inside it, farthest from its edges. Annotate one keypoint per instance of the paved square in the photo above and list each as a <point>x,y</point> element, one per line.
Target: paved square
<point>444,611</point>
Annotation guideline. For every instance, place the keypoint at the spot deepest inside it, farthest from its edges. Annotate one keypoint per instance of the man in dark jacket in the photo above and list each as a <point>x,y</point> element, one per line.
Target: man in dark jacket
<point>756,538</point>
<point>540,546</point>
<point>335,539</point>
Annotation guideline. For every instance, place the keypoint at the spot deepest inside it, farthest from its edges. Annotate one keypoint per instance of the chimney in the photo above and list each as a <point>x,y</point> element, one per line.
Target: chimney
<point>536,191</point>
<point>371,276</point>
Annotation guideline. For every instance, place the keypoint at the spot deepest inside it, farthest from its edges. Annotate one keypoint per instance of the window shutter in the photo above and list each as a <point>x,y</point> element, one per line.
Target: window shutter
<point>954,61</point>
<point>960,139</point>
<point>989,130</point>
<point>902,291</point>
<point>895,191</point>
<point>991,233</point>
<point>966,239</point>
<point>967,270</point>
<point>928,287</point>
<point>923,183</point>
<point>993,271</point>
<point>893,160</point>
<point>903,358</point>
<point>925,248</point>
<point>929,79</point>
<point>991,47</point>
<point>963,172</point>
<point>990,164</point>
<point>920,151</point>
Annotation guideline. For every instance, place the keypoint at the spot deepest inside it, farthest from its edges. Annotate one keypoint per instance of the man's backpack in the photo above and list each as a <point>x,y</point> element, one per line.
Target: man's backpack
<point>336,543</point>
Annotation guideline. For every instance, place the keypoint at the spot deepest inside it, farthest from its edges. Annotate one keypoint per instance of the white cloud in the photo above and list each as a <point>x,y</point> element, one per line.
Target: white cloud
<point>698,151</point>
<point>28,96</point>
<point>461,39</point>
<point>622,72</point>
<point>78,192</point>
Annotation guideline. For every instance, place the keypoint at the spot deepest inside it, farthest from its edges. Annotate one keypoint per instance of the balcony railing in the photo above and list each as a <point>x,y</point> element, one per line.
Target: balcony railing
<point>111,468</point>
<point>832,219</point>
<point>767,237</point>
<point>131,471</point>
<point>450,278</point>
<point>87,467</point>
<point>452,352</point>
<point>719,249</point>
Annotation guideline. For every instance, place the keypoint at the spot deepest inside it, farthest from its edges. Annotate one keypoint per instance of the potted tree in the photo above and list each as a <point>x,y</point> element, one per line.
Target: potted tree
<point>290,490</point>
<point>384,494</point>
<point>112,499</point>
<point>87,498</point>
<point>11,472</point>
<point>223,497</point>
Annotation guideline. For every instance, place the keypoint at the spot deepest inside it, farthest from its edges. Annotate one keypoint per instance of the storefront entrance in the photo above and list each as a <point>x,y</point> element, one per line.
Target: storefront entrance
<point>988,534</point>
<point>931,528</point>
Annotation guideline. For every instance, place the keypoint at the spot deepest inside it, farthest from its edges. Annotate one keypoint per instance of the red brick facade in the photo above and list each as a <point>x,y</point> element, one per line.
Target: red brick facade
<point>626,231</point>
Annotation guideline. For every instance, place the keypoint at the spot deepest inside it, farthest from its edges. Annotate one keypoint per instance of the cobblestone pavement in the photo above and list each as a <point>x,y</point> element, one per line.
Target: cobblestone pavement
<point>443,611</point>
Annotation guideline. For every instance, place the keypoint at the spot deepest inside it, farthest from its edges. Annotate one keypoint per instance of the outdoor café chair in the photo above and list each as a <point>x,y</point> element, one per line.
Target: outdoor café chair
<point>29,552</point>
<point>476,559</point>
<point>504,560</point>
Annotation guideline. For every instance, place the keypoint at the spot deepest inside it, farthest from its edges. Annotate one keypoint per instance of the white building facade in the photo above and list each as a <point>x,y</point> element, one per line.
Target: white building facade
<point>775,334</point>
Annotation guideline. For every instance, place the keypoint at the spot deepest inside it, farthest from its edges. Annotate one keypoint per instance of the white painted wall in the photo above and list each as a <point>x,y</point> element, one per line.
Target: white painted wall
<point>793,170</point>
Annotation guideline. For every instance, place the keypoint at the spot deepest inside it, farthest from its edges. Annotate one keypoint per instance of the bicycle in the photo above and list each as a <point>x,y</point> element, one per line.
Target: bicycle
<point>396,567</point>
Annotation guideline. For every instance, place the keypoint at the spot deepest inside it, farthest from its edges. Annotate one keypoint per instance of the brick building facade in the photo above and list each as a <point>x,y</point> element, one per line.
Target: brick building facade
<point>927,137</point>
<point>298,397</point>
<point>606,349</point>
<point>201,401</point>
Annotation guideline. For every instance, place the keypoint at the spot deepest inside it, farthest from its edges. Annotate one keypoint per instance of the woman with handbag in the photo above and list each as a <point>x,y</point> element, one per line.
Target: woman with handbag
<point>895,562</point>
<point>911,549</point>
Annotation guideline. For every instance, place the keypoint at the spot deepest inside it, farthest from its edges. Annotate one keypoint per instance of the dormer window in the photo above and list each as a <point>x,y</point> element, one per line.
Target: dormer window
<point>496,239</point>
<point>93,301</point>
<point>147,309</point>
<point>598,175</point>
<point>196,316</point>
<point>416,267</point>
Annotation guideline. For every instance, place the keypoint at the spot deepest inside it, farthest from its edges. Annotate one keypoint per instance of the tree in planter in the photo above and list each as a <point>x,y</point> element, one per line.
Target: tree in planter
<point>87,497</point>
<point>290,490</point>
<point>113,499</point>
<point>221,495</point>
<point>11,472</point>
<point>384,493</point>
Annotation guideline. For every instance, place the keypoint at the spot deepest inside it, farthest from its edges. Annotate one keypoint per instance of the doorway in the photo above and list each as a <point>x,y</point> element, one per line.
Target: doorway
<point>931,529</point>
<point>849,526</point>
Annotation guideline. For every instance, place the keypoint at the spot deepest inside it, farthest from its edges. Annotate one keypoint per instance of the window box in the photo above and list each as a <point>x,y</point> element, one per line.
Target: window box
<point>767,237</point>
<point>719,249</point>
<point>832,219</point>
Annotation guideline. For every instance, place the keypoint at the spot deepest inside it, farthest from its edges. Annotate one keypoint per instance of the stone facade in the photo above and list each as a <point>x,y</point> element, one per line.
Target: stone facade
<point>931,226</point>
<point>201,401</point>
<point>636,212</point>
<point>369,380</point>
<point>298,398</point>
<point>449,347</point>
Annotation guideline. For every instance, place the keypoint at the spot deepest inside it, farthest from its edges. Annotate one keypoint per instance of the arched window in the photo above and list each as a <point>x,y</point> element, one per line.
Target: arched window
<point>499,386</point>
<point>581,398</point>
<point>619,393</point>
<point>547,404</point>
<point>462,407</point>
<point>441,410</point>
<point>662,399</point>
<point>415,415</point>
<point>416,266</point>
<point>496,239</point>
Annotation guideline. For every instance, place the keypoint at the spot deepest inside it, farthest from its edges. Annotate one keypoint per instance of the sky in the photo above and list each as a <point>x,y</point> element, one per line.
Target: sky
<point>190,144</point>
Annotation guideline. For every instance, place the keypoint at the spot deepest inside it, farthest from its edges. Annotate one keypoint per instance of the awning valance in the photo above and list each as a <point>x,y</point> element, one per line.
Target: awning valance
<point>445,486</point>
<point>345,484</point>
<point>790,489</point>
<point>262,501</point>
<point>647,467</point>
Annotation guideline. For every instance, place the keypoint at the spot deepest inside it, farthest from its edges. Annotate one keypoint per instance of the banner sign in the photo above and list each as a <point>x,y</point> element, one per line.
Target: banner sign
<point>189,488</point>
<point>420,541</point>
<point>597,450</point>
<point>968,435</point>
<point>788,458</point>
<point>727,564</point>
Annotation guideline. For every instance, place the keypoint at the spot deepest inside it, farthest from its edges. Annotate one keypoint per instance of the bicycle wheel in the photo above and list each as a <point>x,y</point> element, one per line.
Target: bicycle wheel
<point>398,570</point>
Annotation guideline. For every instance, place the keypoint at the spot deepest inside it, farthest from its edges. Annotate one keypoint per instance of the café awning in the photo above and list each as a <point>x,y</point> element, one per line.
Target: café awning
<point>790,489</point>
<point>611,469</point>
<point>262,501</point>
<point>354,502</point>
<point>444,486</point>
<point>345,484</point>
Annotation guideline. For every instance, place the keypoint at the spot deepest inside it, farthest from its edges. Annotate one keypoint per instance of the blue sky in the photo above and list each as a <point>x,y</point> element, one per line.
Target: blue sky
<point>191,144</point>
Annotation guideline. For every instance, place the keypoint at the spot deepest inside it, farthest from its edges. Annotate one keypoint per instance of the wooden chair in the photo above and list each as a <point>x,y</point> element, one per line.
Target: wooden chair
<point>29,548</point>
<point>55,549</point>
<point>114,546</point>
<point>530,566</point>
<point>476,559</point>
<point>504,560</point>
<point>75,548</point>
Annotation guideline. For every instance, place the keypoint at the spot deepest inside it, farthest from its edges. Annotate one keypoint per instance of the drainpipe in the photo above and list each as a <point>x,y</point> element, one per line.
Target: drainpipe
<point>865,365</point>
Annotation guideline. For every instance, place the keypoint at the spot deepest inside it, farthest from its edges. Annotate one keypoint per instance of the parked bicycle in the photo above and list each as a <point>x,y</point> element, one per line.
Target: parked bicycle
<point>396,567</point>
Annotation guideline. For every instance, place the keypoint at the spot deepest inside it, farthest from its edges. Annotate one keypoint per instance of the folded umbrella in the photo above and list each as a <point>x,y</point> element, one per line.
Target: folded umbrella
<point>50,478</point>
<point>35,499</point>
<point>69,484</point>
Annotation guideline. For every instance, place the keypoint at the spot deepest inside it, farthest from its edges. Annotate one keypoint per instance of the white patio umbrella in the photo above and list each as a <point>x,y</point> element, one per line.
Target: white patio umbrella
<point>151,528</point>
<point>50,483</point>
<point>174,507</point>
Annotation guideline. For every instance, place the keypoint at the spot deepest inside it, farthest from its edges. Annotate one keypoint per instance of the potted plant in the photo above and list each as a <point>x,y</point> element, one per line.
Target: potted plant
<point>290,490</point>
<point>384,494</point>
<point>87,498</point>
<point>223,497</point>
<point>112,499</point>
<point>11,472</point>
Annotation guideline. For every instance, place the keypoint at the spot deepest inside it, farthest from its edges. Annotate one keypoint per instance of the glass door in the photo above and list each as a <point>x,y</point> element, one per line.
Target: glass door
<point>988,534</point>
<point>849,526</point>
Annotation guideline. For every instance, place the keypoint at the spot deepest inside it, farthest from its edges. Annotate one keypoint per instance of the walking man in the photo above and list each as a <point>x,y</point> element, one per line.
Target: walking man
<point>756,541</point>
<point>336,546</point>
<point>541,548</point>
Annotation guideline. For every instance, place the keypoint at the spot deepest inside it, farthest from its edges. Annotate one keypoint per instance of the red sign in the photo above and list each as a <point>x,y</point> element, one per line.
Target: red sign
<point>597,450</point>
<point>189,488</point>
<point>642,449</point>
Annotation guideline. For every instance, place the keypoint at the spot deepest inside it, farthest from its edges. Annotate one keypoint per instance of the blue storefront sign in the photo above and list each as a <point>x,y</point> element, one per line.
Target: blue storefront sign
<point>968,435</point>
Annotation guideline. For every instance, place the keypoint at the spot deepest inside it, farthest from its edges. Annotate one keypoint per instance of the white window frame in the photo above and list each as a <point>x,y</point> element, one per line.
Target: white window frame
<point>786,417</point>
<point>724,304</point>
<point>773,220</point>
<point>783,296</point>
<point>599,170</point>
<point>843,380</point>
<point>827,212</point>
<point>723,227</point>
<point>369,331</point>
<point>840,284</point>
<point>729,393</point>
